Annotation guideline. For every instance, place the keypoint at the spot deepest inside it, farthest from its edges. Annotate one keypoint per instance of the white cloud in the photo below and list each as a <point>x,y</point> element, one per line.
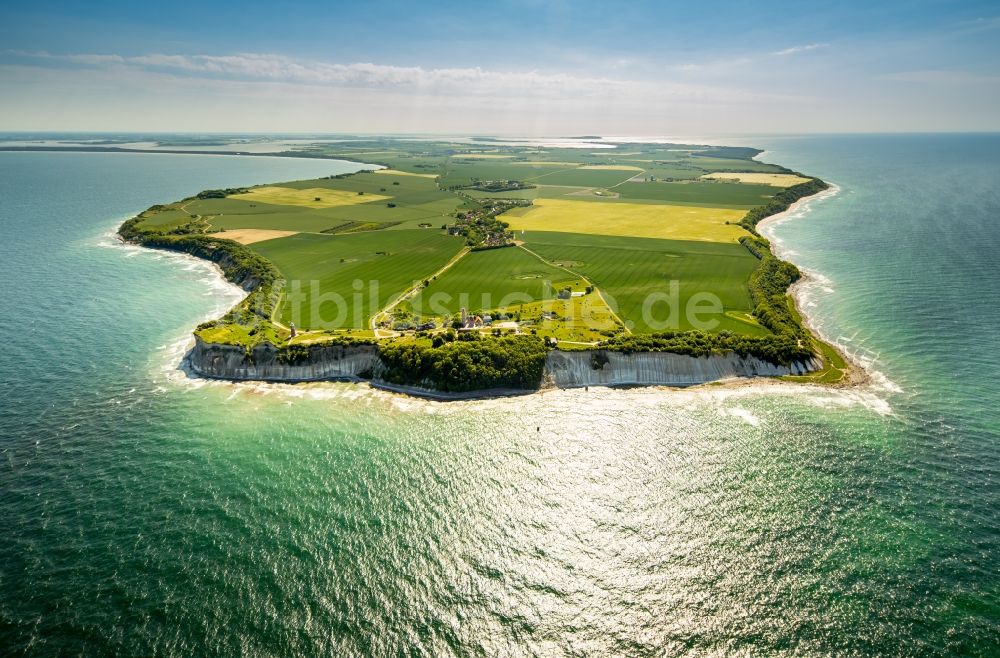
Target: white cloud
<point>469,82</point>
<point>735,61</point>
<point>267,92</point>
<point>795,50</point>
<point>981,24</point>
<point>84,59</point>
<point>358,74</point>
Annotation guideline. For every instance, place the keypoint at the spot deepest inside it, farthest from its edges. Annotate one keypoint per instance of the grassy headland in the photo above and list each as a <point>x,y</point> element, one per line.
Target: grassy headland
<point>641,247</point>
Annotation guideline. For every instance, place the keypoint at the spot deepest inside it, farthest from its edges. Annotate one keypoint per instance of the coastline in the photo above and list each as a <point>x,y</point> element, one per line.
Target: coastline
<point>857,374</point>
<point>185,359</point>
<point>117,149</point>
<point>171,367</point>
<point>223,292</point>
<point>212,361</point>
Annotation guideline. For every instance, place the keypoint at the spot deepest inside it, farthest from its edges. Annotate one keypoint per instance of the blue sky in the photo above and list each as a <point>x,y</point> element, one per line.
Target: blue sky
<point>527,67</point>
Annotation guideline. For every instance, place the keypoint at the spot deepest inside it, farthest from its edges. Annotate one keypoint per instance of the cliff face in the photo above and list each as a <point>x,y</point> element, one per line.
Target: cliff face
<point>562,369</point>
<point>602,368</point>
<point>324,363</point>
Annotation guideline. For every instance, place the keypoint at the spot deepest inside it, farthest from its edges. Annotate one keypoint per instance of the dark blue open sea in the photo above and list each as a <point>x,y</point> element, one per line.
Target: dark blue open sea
<point>147,514</point>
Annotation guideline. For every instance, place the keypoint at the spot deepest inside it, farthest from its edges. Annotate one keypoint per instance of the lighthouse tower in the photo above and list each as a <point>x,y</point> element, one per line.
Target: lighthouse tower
<point>291,326</point>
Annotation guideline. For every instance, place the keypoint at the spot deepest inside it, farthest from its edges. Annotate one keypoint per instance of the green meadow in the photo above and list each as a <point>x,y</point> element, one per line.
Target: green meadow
<point>397,201</point>
<point>586,177</point>
<point>365,270</point>
<point>401,227</point>
<point>465,172</point>
<point>719,195</point>
<point>626,270</point>
<point>491,279</point>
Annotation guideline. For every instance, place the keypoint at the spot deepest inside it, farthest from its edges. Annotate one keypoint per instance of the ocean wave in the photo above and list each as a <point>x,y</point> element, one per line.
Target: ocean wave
<point>171,373</point>
<point>814,286</point>
<point>168,364</point>
<point>726,399</point>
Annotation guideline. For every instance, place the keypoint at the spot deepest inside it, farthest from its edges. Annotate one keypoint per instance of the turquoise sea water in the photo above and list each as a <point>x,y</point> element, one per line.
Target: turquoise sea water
<point>145,513</point>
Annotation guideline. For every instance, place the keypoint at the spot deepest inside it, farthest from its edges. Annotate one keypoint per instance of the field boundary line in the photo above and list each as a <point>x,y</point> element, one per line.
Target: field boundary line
<point>589,283</point>
<point>417,287</point>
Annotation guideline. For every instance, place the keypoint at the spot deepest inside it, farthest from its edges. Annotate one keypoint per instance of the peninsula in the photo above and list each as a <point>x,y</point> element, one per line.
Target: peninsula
<point>493,266</point>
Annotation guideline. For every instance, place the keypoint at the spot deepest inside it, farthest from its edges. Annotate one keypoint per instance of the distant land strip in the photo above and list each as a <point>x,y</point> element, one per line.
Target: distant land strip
<point>119,149</point>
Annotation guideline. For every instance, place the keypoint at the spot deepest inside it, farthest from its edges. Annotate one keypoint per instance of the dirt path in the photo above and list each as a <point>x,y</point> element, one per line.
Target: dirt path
<point>411,292</point>
<point>589,283</point>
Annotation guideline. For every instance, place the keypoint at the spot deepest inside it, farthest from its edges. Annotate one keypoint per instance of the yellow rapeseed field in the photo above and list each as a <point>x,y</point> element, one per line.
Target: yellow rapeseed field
<point>396,172</point>
<point>628,219</point>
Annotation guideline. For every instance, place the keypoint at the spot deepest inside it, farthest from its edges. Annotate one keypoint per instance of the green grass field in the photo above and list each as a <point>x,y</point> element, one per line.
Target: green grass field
<point>627,270</point>
<point>326,268</point>
<point>169,217</point>
<point>539,192</point>
<point>630,239</point>
<point>361,198</point>
<point>677,172</point>
<point>492,279</point>
<point>721,164</point>
<point>719,195</point>
<point>586,177</point>
<point>464,173</point>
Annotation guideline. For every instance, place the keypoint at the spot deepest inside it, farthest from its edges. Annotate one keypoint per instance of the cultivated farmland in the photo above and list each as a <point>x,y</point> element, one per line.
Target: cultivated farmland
<point>627,219</point>
<point>628,270</point>
<point>777,180</point>
<point>495,278</point>
<point>362,271</point>
<point>310,197</point>
<point>541,238</point>
<point>717,194</point>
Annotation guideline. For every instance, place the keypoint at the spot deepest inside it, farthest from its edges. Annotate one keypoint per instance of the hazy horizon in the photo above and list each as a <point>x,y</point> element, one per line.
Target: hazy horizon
<point>513,68</point>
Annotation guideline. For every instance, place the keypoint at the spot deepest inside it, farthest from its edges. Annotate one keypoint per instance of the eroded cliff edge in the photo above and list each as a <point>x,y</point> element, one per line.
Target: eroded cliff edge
<point>563,369</point>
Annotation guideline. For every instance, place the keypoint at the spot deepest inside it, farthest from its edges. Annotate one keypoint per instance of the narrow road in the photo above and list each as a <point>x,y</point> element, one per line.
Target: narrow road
<point>411,292</point>
<point>589,283</point>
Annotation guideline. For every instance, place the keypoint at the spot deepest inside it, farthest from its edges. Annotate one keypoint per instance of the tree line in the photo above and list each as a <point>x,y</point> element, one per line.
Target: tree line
<point>467,365</point>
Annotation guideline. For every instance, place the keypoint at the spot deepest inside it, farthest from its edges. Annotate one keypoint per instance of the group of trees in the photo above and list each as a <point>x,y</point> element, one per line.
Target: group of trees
<point>220,194</point>
<point>482,228</point>
<point>777,349</point>
<point>495,185</point>
<point>768,290</point>
<point>789,341</point>
<point>781,201</point>
<point>468,364</point>
<point>770,281</point>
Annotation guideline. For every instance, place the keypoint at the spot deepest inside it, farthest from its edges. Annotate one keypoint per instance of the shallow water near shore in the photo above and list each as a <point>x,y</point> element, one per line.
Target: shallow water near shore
<point>147,512</point>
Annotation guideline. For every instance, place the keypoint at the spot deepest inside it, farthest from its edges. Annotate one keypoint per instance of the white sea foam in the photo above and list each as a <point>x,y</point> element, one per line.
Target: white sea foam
<point>169,367</point>
<point>742,414</point>
<point>815,285</point>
